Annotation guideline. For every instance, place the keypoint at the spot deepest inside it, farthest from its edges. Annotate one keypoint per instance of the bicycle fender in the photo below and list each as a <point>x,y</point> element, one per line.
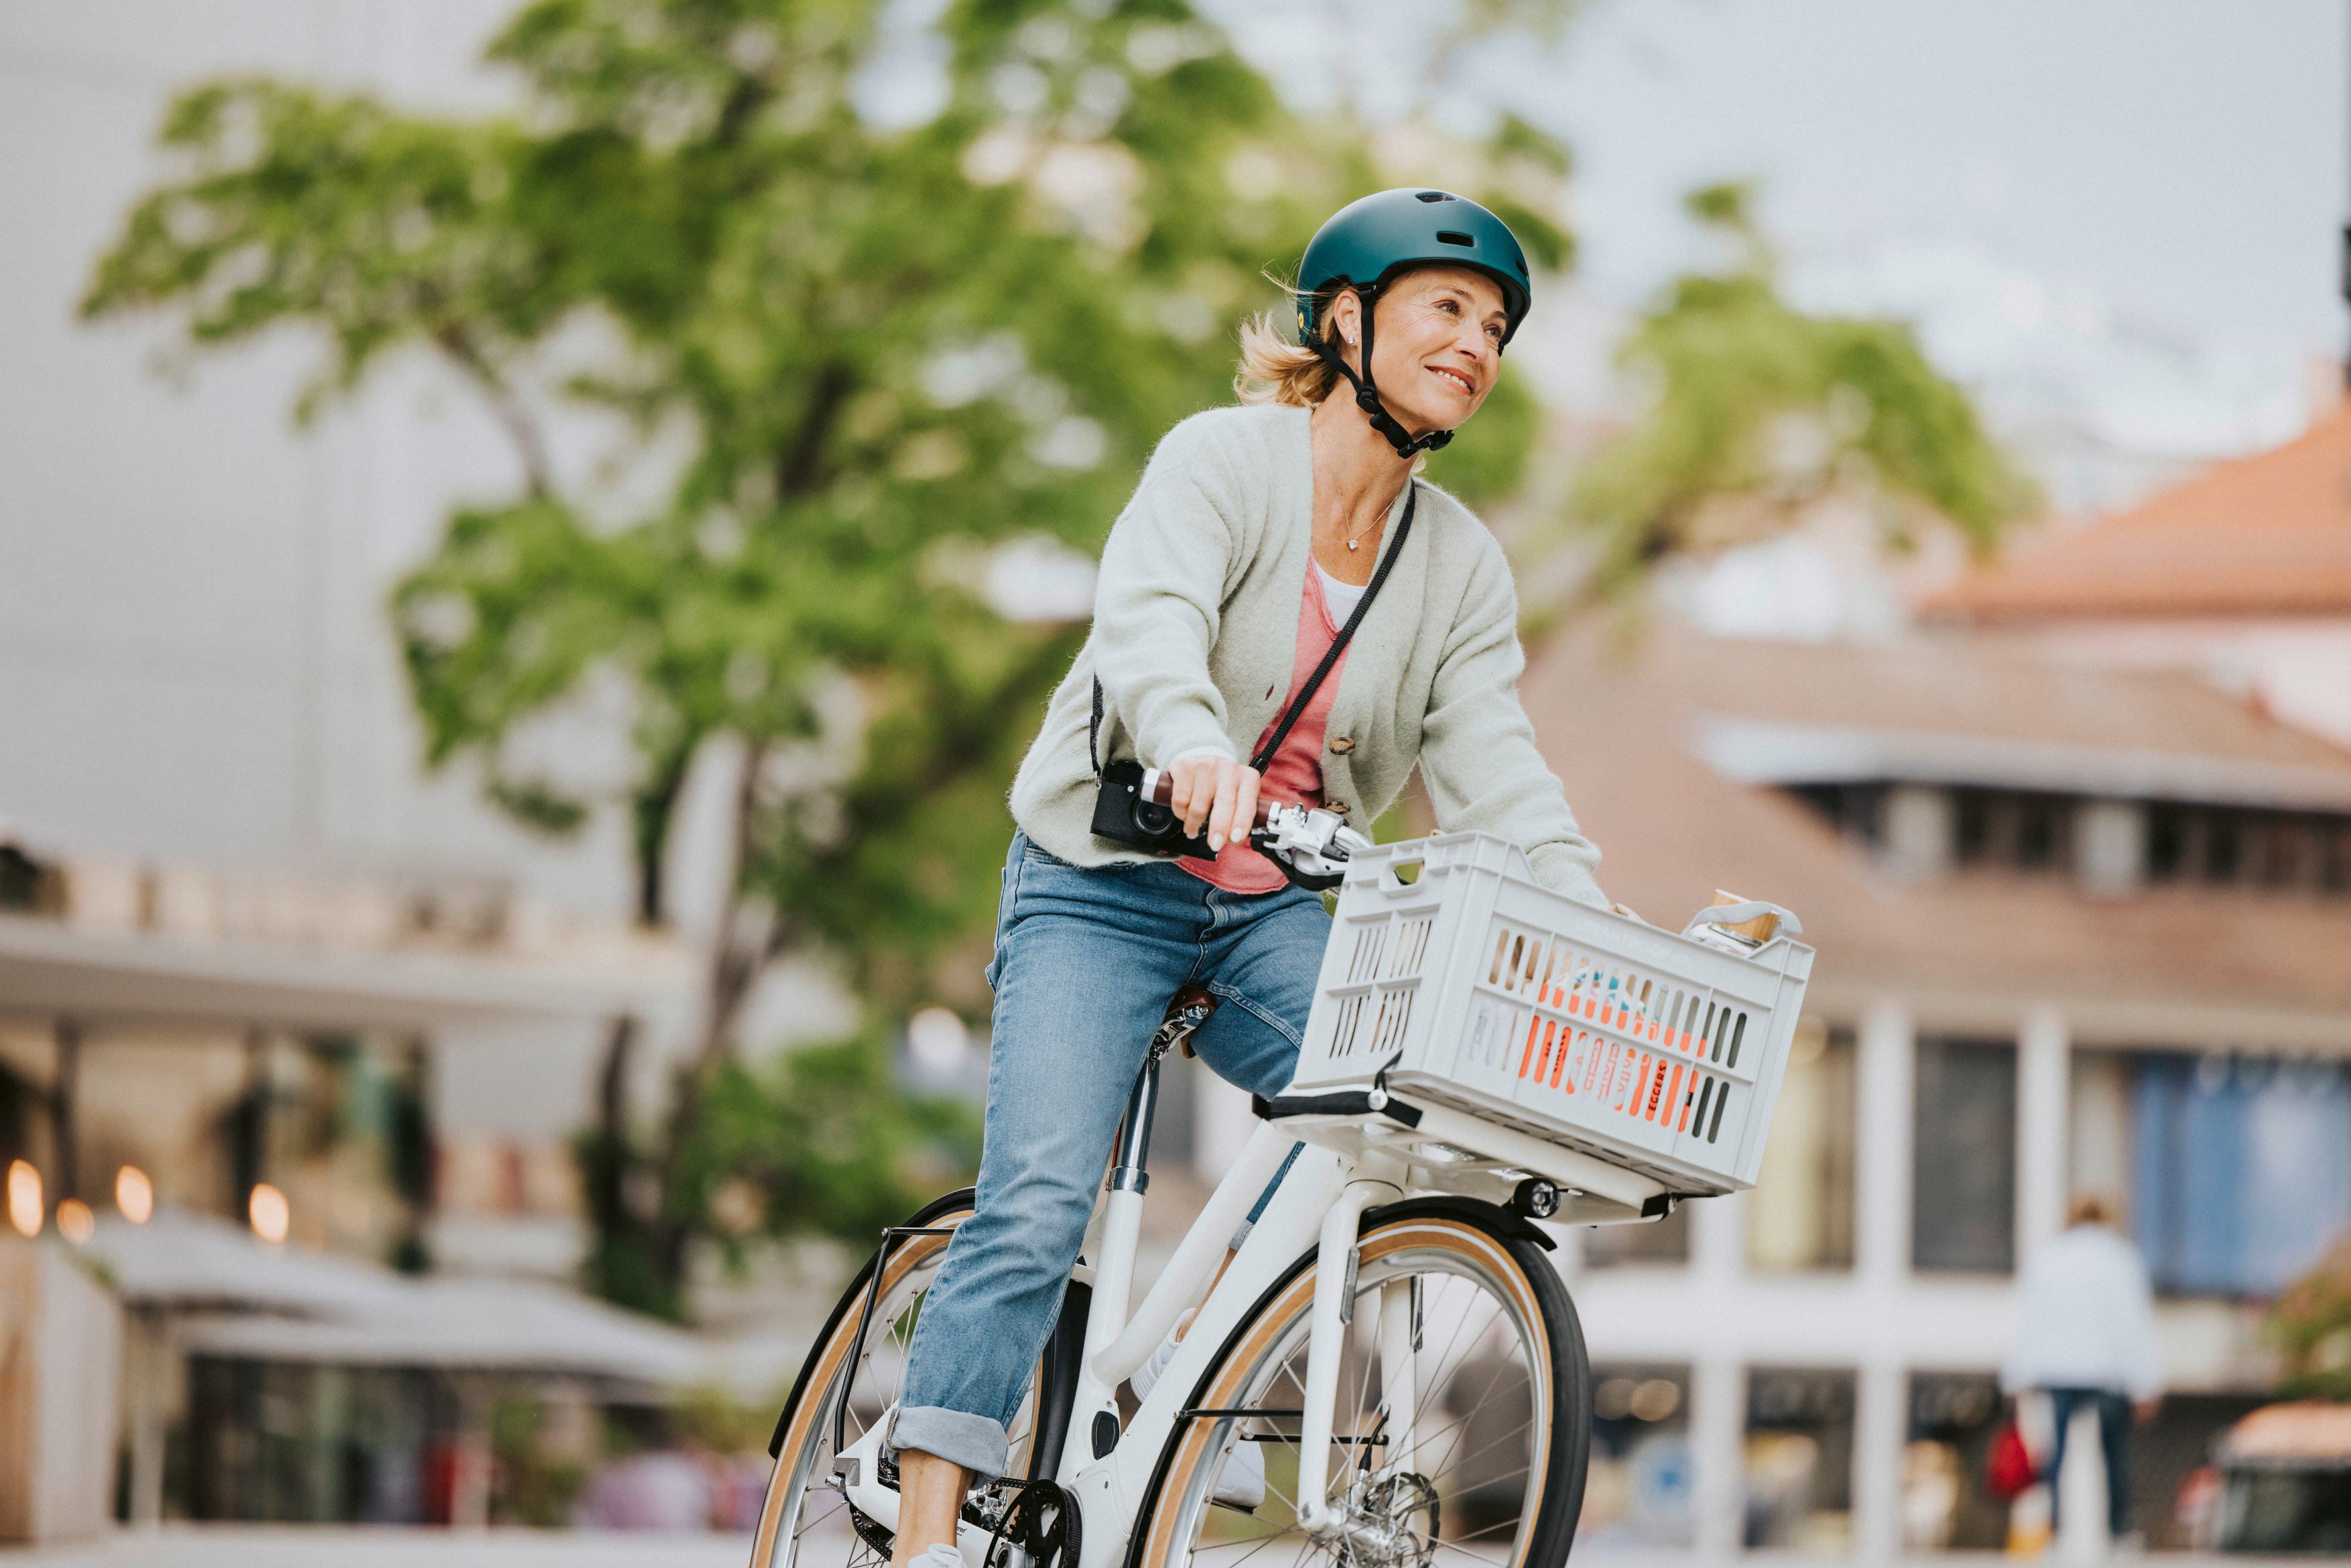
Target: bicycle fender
<point>962,1198</point>
<point>1493,1215</point>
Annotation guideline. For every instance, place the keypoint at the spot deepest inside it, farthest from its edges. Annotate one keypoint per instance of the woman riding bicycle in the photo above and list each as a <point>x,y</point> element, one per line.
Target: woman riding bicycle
<point>1249,544</point>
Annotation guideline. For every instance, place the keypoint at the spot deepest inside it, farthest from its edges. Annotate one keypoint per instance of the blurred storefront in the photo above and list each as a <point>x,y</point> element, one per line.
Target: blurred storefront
<point>267,1110</point>
<point>279,1384</point>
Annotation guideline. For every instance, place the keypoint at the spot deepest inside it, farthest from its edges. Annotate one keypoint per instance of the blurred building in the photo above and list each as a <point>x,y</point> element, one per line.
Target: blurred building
<point>232,1091</point>
<point>2080,930</point>
<point>2242,576</point>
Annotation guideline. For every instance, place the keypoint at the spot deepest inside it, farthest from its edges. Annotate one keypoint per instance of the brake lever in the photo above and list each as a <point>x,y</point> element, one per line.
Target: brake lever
<point>1310,845</point>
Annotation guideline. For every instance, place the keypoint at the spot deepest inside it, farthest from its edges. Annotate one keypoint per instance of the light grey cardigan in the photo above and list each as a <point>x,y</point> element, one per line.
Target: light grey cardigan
<point>1195,634</point>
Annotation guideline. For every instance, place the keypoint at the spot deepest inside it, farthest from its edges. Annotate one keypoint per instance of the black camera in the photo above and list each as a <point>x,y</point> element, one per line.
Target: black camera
<point>1122,816</point>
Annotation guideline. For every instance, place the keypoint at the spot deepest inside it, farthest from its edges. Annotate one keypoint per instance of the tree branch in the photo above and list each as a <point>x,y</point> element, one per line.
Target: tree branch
<point>801,469</point>
<point>509,409</point>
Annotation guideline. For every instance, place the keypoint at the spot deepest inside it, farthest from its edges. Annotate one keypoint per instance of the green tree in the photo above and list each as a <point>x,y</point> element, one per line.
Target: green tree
<point>1762,411</point>
<point>2311,1326</point>
<point>862,357</point>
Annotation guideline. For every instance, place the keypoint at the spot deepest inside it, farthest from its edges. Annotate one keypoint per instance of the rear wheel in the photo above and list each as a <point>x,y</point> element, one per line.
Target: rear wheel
<point>806,1521</point>
<point>1482,1465</point>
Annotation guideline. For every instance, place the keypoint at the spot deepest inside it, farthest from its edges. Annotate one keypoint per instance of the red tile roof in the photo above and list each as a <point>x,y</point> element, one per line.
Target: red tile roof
<point>1623,731</point>
<point>2267,535</point>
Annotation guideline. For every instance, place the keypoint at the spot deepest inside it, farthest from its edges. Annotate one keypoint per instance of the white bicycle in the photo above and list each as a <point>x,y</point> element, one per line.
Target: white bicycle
<point>1392,1334</point>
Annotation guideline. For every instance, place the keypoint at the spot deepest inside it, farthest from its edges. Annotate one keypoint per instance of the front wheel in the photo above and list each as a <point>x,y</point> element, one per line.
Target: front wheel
<point>1481,1461</point>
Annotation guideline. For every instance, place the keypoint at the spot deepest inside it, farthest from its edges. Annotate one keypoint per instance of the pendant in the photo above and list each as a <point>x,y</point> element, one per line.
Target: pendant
<point>1351,544</point>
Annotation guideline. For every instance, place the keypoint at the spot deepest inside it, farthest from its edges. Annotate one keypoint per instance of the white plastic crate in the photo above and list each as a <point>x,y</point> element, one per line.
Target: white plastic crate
<point>1476,988</point>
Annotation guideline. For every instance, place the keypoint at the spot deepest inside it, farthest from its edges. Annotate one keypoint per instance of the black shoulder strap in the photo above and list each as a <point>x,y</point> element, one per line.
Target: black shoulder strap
<point>1338,645</point>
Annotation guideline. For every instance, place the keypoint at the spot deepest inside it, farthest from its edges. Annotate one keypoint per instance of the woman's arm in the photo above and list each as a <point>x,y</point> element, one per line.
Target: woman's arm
<point>1158,603</point>
<point>1478,750</point>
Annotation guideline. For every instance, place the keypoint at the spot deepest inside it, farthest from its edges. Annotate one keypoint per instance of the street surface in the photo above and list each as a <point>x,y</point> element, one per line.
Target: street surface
<point>309,1546</point>
<point>300,1546</point>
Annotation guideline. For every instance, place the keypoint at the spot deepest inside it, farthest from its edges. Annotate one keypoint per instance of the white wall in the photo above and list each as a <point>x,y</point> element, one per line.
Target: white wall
<point>195,659</point>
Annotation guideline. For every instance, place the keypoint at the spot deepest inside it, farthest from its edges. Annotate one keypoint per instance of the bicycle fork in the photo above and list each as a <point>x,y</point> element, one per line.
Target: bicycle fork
<point>1335,1261</point>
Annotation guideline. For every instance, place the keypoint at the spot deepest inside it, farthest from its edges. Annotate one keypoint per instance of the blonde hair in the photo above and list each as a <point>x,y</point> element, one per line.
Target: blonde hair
<point>1276,367</point>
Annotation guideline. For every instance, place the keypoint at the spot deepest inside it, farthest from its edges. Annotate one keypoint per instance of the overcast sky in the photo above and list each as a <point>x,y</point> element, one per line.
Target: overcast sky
<point>2121,212</point>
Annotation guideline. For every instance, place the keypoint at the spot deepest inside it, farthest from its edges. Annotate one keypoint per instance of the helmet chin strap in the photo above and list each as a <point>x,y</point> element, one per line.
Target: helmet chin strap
<point>1367,394</point>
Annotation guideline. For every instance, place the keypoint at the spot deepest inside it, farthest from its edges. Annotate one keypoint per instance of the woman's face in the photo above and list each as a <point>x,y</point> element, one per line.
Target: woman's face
<point>1437,344</point>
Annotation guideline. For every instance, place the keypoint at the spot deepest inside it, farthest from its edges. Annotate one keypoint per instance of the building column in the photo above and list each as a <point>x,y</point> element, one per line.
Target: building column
<point>63,1087</point>
<point>1881,1432</point>
<point>1717,1437</point>
<point>2044,1082</point>
<point>1717,1267</point>
<point>152,1359</point>
<point>1885,1071</point>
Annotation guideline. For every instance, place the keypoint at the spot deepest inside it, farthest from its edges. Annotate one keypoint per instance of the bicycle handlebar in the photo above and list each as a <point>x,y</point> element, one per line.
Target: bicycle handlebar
<point>1159,787</point>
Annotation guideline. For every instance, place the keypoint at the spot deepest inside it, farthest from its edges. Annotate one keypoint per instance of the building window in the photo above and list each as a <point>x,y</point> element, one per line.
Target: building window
<point>2226,847</point>
<point>1663,1240</point>
<point>1963,1171</point>
<point>2239,1168</point>
<point>1856,811</point>
<point>1799,1459</point>
<point>1944,1505</point>
<point>1637,1491</point>
<point>2013,830</point>
<point>1802,1214</point>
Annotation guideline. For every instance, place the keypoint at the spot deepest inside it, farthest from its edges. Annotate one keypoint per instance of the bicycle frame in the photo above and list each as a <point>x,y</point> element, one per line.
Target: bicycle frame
<point>1345,1168</point>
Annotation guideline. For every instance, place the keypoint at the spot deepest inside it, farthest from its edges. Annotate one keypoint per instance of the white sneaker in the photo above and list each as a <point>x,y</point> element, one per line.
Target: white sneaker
<point>940,1555</point>
<point>1241,1483</point>
<point>1146,1377</point>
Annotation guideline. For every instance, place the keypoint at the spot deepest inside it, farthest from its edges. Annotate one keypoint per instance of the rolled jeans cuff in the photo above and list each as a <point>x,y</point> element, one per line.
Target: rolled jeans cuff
<point>975,1442</point>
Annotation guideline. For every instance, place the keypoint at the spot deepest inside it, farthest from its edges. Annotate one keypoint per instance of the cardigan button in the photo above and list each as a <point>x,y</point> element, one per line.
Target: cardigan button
<point>1342,745</point>
<point>1339,806</point>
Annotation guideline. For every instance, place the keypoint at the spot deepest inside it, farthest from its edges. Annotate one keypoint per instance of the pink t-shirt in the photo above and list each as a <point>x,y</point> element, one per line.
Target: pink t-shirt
<point>1295,774</point>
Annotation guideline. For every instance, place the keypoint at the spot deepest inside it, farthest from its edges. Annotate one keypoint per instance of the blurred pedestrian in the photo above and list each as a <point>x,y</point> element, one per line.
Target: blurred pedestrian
<point>2085,1335</point>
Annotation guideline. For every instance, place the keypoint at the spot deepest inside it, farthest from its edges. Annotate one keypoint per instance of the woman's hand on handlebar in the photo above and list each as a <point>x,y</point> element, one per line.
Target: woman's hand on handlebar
<point>1213,791</point>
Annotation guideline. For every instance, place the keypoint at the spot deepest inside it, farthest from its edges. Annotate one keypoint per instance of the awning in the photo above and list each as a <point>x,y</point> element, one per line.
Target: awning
<point>236,1297</point>
<point>50,968</point>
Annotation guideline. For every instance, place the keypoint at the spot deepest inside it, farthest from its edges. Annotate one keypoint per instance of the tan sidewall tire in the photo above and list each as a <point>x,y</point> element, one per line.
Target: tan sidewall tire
<point>803,1410</point>
<point>1155,1543</point>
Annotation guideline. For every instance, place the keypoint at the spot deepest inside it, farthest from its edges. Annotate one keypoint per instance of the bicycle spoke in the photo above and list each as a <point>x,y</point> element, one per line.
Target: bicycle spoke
<point>1473,1441</point>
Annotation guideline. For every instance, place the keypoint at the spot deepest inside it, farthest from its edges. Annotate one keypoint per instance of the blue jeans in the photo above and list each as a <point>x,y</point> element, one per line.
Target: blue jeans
<point>1086,962</point>
<point>2113,1442</point>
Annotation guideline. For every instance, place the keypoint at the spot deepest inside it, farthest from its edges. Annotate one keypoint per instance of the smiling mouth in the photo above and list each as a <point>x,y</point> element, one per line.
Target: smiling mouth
<point>1456,377</point>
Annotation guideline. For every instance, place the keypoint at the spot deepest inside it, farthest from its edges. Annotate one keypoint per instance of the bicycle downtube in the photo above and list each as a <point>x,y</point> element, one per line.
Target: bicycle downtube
<point>1326,1348</point>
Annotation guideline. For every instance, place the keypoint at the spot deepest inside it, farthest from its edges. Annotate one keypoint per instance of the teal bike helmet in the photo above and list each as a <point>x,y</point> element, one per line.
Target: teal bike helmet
<point>1366,243</point>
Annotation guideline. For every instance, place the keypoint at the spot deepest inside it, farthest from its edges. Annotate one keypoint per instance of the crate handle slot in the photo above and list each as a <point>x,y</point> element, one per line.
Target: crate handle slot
<point>1402,874</point>
<point>1740,914</point>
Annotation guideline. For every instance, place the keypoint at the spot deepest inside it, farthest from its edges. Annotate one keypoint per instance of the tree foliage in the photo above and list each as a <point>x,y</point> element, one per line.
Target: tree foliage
<point>2311,1326</point>
<point>861,356</point>
<point>1760,411</point>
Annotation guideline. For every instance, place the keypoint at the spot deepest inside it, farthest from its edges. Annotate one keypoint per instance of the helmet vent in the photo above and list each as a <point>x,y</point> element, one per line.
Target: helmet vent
<point>1453,237</point>
<point>1435,196</point>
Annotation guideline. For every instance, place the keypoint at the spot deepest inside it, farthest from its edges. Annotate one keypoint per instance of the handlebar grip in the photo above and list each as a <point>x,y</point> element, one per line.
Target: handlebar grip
<point>1158,786</point>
